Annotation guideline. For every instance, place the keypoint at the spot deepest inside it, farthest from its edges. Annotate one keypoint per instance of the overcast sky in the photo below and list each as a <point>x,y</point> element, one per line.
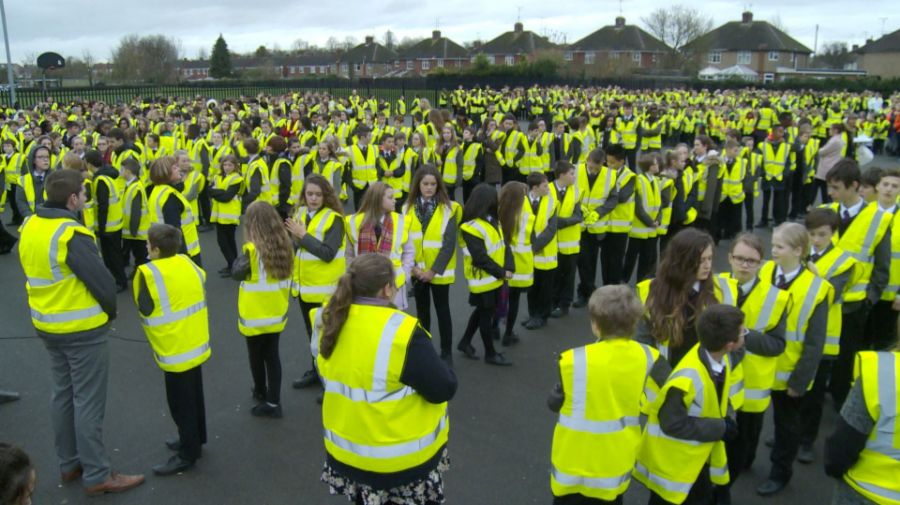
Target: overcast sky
<point>71,27</point>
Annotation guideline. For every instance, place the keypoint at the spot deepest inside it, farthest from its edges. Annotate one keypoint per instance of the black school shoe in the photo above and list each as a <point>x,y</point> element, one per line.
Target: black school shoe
<point>266,409</point>
<point>175,465</point>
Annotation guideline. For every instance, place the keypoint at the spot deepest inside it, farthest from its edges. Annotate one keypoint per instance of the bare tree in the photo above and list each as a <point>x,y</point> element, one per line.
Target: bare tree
<point>349,42</point>
<point>332,43</point>
<point>677,25</point>
<point>834,55</point>
<point>202,54</point>
<point>299,45</point>
<point>151,59</point>
<point>408,42</point>
<point>777,23</point>
<point>389,39</point>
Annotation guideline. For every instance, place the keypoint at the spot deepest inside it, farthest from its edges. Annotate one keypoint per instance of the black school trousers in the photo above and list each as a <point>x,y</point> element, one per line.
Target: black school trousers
<point>134,248</point>
<point>482,320</point>
<point>540,294</point>
<point>640,252</point>
<point>564,280</point>
<point>612,258</point>
<point>853,323</point>
<point>786,412</point>
<point>111,249</point>
<point>587,264</point>
<point>184,393</point>
<point>227,243</point>
<point>265,366</point>
<point>424,292</point>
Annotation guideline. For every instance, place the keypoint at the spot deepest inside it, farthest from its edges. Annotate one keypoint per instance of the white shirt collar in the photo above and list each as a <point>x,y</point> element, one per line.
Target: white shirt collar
<point>788,276</point>
<point>854,210</point>
<point>747,286</point>
<point>892,209</point>
<point>696,287</point>
<point>717,366</point>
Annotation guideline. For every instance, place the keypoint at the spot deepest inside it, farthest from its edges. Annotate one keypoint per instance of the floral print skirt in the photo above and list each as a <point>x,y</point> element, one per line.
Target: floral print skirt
<point>429,490</point>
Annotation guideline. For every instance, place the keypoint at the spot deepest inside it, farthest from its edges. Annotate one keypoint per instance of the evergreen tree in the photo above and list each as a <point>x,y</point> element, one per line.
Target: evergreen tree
<point>220,60</point>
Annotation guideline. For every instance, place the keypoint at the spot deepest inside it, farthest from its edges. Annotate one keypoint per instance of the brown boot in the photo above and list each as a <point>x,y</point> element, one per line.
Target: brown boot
<point>72,475</point>
<point>116,483</point>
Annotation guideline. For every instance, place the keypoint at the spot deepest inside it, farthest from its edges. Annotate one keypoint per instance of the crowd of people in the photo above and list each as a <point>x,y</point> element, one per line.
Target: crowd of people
<point>354,205</point>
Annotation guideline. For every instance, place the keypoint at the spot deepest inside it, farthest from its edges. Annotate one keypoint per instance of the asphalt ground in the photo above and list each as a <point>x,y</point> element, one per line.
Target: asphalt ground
<point>500,437</point>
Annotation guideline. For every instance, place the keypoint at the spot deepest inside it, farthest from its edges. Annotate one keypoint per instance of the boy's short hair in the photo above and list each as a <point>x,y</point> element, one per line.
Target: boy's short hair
<point>132,165</point>
<point>166,238</point>
<point>597,155</point>
<point>535,179</point>
<point>871,177</point>
<point>731,144</point>
<point>615,310</point>
<point>890,172</point>
<point>93,158</point>
<point>718,326</point>
<point>251,145</point>
<point>562,167</point>
<point>616,151</point>
<point>645,161</point>
<point>819,217</point>
<point>845,171</point>
<point>61,184</point>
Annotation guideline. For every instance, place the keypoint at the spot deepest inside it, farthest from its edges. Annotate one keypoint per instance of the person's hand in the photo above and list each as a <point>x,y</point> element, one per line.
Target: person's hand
<point>731,429</point>
<point>427,276</point>
<point>295,228</point>
<point>793,393</point>
<point>417,272</point>
<point>509,275</point>
<point>388,173</point>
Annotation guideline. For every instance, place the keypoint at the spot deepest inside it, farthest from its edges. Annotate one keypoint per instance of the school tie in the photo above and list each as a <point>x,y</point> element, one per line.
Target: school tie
<point>307,219</point>
<point>781,283</point>
<point>534,205</point>
<point>562,194</point>
<point>845,220</point>
<point>814,257</point>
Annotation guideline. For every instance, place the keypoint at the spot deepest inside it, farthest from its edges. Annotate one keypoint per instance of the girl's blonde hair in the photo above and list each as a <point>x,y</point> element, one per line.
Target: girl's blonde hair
<point>794,236</point>
<point>264,228</point>
<point>370,206</point>
<point>161,170</point>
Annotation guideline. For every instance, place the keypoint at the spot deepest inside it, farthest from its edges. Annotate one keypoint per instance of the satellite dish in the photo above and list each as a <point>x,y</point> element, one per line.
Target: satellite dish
<point>50,61</point>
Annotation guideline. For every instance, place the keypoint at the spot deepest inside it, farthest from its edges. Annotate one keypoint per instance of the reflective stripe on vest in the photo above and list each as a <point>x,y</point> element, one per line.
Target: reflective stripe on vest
<point>806,309</point>
<point>168,316</point>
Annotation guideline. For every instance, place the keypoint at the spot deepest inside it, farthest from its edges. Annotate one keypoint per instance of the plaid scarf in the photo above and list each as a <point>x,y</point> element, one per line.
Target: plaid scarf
<point>424,211</point>
<point>376,237</point>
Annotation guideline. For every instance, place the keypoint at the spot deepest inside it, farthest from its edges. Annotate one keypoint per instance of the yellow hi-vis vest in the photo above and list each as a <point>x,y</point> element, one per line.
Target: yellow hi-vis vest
<point>595,196</point>
<point>520,244</point>
<point>428,243</point>
<point>724,289</point>
<point>545,259</point>
<point>510,148</point>
<point>531,161</point>
<point>752,378</point>
<point>60,303</point>
<point>158,197</point>
<point>178,327</point>
<point>665,214</point>
<point>315,278</point>
<point>775,162</point>
<point>546,140</point>
<point>135,190</point>
<point>470,158</point>
<point>258,165</point>
<point>296,181</point>
<point>262,301</point>
<point>836,262</point>
<point>115,208</point>
<point>371,420</point>
<point>627,131</point>
<point>807,291</point>
<point>733,181</point>
<point>621,216</point>
<point>569,238</point>
<point>600,414</point>
<point>860,241</point>
<point>362,167</point>
<point>669,466</point>
<point>194,183</point>
<point>893,286</point>
<point>398,240</point>
<point>449,168</point>
<point>647,189</point>
<point>227,212</point>
<point>874,475</point>
<point>480,281</point>
<point>89,212</point>
<point>26,184</point>
<point>396,183</point>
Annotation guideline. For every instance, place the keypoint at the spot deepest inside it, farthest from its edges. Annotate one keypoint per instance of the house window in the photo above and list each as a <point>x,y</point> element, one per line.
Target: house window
<point>636,56</point>
<point>743,57</point>
<point>426,65</point>
<point>323,69</point>
<point>410,64</point>
<point>653,58</point>
<point>715,56</point>
<point>368,68</point>
<point>793,57</point>
<point>590,57</point>
<point>768,78</point>
<point>773,55</point>
<point>568,56</point>
<point>344,68</point>
<point>440,63</point>
<point>510,60</point>
<point>614,55</point>
<point>357,67</point>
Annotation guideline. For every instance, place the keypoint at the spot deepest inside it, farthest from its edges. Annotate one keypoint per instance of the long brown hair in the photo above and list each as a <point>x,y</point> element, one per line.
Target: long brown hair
<point>370,206</point>
<point>675,278</point>
<point>263,227</point>
<point>509,208</point>
<point>329,197</point>
<point>366,276</point>
<point>415,190</point>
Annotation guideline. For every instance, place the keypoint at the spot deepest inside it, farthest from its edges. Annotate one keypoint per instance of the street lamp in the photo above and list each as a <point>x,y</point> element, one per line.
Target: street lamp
<point>9,70</point>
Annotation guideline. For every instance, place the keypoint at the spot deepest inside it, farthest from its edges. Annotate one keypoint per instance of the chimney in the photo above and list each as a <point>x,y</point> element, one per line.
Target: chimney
<point>747,17</point>
<point>620,22</point>
<point>436,34</point>
<point>855,48</point>
<point>369,40</point>
<point>518,28</point>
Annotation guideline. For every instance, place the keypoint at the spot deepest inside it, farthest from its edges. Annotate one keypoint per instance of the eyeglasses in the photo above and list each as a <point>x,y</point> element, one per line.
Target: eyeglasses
<point>748,262</point>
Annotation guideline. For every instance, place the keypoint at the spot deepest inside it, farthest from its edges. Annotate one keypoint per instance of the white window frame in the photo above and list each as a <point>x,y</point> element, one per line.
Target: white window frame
<point>425,65</point>
<point>410,65</point>
<point>357,67</point>
<point>773,55</point>
<point>636,56</point>
<point>590,57</point>
<point>614,55</point>
<point>744,57</point>
<point>440,63</point>
<point>510,60</point>
<point>714,57</point>
<point>569,56</point>
<point>654,58</point>
<point>768,78</point>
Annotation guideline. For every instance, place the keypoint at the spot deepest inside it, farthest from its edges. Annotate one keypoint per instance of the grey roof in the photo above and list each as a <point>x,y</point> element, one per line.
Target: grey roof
<point>619,38</point>
<point>750,36</point>
<point>370,52</point>
<point>517,41</point>
<point>435,47</point>
<point>889,43</point>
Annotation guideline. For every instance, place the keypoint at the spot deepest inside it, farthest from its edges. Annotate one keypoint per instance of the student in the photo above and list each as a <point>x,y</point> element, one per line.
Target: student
<point>597,183</point>
<point>391,169</point>
<point>751,182</point>
<point>318,231</point>
<point>565,191</point>
<point>616,240</point>
<point>473,161</point>
<point>881,324</point>
<point>795,370</point>
<point>324,161</point>
<point>765,310</point>
<point>517,225</point>
<point>544,206</point>
<point>511,150</point>
<point>168,206</point>
<point>867,183</point>
<point>171,298</point>
<point>134,213</point>
<point>802,189</point>
<point>362,164</point>
<point>109,207</point>
<point>449,159</point>
<point>627,126</point>
<point>30,192</point>
<point>733,191</point>
<point>601,383</point>
<point>256,177</point>
<point>708,175</point>
<point>683,194</point>
<point>487,261</point>
<point>840,269</point>
<point>265,270</point>
<point>644,232</point>
<point>285,179</point>
<point>226,209</point>
<point>433,220</point>
<point>12,162</point>
<point>865,234</point>
<point>682,451</point>
<point>776,160</point>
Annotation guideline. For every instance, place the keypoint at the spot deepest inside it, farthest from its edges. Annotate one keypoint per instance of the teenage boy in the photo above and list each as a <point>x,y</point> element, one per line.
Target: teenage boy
<point>864,233</point>
<point>597,184</point>
<point>171,298</point>
<point>682,448</point>
<point>881,326</point>
<point>109,206</point>
<point>776,160</point>
<point>615,242</point>
<point>362,164</point>
<point>136,217</point>
<point>544,207</point>
<point>568,236</point>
